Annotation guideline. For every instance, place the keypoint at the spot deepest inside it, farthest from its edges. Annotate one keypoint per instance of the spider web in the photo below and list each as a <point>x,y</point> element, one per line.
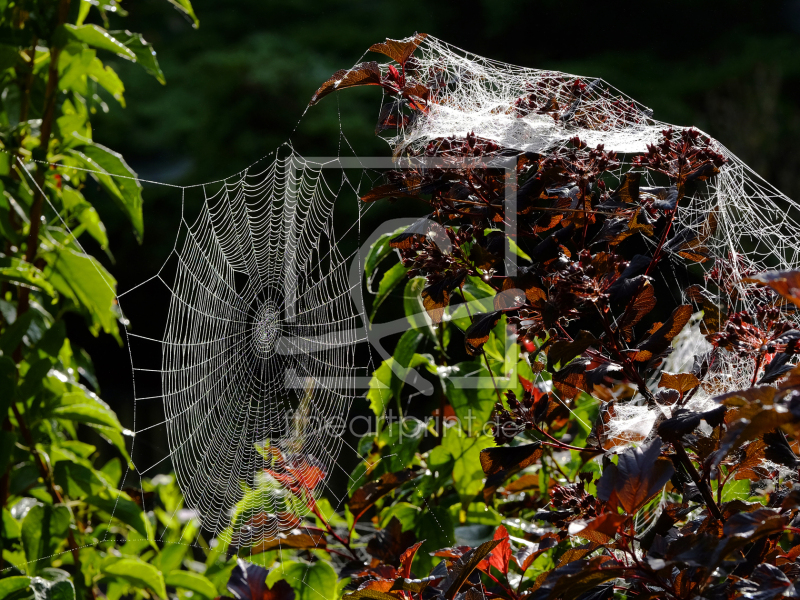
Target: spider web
<point>472,94</point>
<point>258,353</point>
<point>755,226</point>
<point>263,318</point>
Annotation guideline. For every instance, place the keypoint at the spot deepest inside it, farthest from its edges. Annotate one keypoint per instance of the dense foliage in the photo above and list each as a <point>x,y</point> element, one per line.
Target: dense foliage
<point>59,538</point>
<point>562,500</point>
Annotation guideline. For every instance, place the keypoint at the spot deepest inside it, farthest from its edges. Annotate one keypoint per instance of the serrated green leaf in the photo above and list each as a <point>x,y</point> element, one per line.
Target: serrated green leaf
<point>44,529</point>
<point>108,79</point>
<point>145,54</point>
<point>185,6</point>
<point>114,175</point>
<point>99,38</point>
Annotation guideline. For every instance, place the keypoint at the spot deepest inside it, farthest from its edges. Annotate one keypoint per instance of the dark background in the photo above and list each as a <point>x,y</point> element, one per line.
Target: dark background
<point>238,85</point>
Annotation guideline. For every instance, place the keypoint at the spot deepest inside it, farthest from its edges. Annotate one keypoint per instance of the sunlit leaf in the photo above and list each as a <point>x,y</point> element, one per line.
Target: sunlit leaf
<point>399,50</point>
<point>138,573</point>
<point>367,73</point>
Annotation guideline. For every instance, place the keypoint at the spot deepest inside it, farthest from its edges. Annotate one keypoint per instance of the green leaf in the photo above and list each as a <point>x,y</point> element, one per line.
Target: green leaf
<point>12,336</point>
<point>185,6</point>
<point>112,471</point>
<point>91,414</point>
<point>466,452</point>
<point>122,507</point>
<point>73,64</point>
<point>170,557</point>
<point>82,279</point>
<point>193,582</point>
<point>34,377</point>
<point>52,341</point>
<point>380,385</point>
<point>11,528</point>
<point>405,512</point>
<point>145,55</point>
<point>54,584</point>
<point>116,178</point>
<point>108,79</point>
<point>415,312</point>
<point>389,281</point>
<point>138,573</point>
<point>377,252</point>
<point>379,392</point>
<point>309,582</point>
<point>435,526</point>
<point>9,585</point>
<point>78,481</point>
<point>86,214</point>
<point>102,5</point>
<point>473,405</point>
<point>99,38</point>
<point>44,529</point>
<point>403,355</point>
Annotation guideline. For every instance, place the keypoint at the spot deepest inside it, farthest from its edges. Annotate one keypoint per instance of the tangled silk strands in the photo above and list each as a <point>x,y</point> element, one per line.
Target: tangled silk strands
<point>756,227</point>
<point>471,94</point>
<point>258,351</point>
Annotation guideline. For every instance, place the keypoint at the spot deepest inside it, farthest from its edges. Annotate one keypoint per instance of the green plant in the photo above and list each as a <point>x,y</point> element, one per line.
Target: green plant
<point>68,530</point>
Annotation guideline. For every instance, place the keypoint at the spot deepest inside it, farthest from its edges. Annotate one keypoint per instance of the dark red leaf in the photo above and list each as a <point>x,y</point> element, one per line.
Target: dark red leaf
<point>367,73</point>
<point>638,476</point>
<point>369,493</point>
<point>399,50</point>
<point>477,334</point>
<point>249,582</point>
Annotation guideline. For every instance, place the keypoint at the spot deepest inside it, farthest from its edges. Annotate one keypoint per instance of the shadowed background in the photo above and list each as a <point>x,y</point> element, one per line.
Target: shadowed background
<point>238,85</point>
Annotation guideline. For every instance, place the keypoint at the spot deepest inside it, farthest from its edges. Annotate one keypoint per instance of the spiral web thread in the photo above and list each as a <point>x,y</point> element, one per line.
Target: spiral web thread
<point>258,355</point>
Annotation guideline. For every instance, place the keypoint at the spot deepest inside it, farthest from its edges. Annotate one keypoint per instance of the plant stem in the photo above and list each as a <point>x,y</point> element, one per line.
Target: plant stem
<point>329,529</point>
<point>702,486</point>
<point>48,116</point>
<point>46,477</point>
